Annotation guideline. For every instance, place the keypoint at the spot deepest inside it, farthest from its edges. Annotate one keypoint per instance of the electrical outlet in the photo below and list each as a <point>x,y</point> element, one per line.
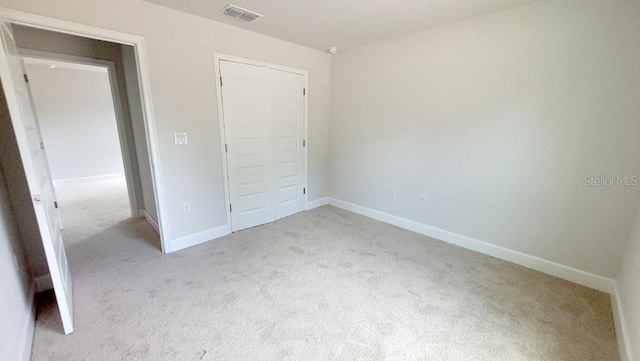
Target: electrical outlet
<point>393,193</point>
<point>186,207</point>
<point>423,197</point>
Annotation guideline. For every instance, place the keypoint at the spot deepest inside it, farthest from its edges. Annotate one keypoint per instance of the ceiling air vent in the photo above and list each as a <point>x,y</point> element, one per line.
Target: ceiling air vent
<point>241,13</point>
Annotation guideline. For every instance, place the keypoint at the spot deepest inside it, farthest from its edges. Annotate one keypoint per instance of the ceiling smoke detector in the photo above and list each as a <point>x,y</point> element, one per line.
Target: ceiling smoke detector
<point>241,13</point>
<point>332,50</point>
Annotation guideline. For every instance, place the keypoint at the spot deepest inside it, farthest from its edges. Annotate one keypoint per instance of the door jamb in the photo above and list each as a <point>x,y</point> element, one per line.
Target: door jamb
<point>67,27</point>
<point>217,57</point>
<point>125,147</point>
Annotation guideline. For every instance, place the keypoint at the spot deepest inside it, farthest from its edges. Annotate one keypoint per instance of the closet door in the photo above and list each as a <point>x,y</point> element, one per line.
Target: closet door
<point>288,134</point>
<point>248,133</point>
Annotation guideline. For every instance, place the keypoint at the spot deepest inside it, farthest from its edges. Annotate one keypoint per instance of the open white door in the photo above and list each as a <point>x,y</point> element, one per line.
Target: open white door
<point>54,197</point>
<point>36,168</point>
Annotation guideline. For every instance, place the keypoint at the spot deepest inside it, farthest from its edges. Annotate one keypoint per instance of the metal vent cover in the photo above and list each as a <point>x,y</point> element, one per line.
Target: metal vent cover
<point>241,13</point>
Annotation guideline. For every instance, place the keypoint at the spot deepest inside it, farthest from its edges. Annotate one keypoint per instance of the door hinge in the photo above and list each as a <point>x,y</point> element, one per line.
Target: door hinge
<point>304,190</point>
<point>220,81</point>
<point>304,143</point>
<point>55,204</point>
<point>226,149</point>
<point>26,78</point>
<point>41,145</point>
<point>304,91</point>
<point>230,209</point>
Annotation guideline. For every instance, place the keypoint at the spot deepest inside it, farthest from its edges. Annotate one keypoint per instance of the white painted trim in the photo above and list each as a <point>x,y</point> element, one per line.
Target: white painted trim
<point>67,27</point>
<point>242,60</point>
<point>24,352</point>
<point>622,334</point>
<point>545,266</point>
<point>200,237</point>
<point>225,170</point>
<point>317,203</point>
<point>223,142</point>
<point>151,221</point>
<point>47,61</point>
<point>43,283</point>
<point>306,139</point>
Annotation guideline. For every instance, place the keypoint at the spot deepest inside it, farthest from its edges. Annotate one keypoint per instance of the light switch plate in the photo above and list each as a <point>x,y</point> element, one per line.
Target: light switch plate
<point>181,138</point>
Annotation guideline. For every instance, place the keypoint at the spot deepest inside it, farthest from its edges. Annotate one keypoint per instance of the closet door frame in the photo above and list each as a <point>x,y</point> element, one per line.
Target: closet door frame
<point>217,57</point>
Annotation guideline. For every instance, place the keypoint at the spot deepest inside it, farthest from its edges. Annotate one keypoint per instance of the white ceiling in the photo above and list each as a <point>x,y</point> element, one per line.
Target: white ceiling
<point>343,23</point>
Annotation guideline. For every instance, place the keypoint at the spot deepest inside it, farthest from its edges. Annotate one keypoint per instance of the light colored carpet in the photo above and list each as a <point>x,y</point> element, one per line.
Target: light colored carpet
<point>89,207</point>
<point>320,285</point>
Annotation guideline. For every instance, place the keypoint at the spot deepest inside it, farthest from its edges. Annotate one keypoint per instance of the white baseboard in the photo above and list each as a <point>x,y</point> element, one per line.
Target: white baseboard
<point>151,221</point>
<point>89,179</point>
<point>552,268</point>
<point>200,237</point>
<point>43,283</point>
<point>317,203</point>
<point>624,346</point>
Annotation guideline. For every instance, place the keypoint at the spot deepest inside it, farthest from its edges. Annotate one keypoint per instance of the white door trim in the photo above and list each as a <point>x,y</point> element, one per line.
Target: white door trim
<point>125,147</point>
<point>67,27</point>
<point>225,171</point>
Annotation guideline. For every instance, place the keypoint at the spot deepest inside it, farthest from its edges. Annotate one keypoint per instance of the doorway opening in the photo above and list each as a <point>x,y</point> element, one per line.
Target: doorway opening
<point>85,94</point>
<point>25,37</point>
<point>84,137</point>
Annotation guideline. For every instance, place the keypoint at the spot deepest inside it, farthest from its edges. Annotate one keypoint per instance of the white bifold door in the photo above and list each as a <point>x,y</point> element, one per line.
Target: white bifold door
<point>263,114</point>
<point>36,168</point>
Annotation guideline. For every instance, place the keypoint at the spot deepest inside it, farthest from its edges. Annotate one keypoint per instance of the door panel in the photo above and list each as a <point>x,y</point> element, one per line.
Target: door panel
<point>36,134</point>
<point>37,172</point>
<point>247,123</point>
<point>263,111</point>
<point>288,112</point>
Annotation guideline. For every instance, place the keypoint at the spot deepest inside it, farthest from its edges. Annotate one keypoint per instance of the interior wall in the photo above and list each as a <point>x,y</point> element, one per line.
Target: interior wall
<point>16,298</point>
<point>139,133</point>
<point>180,51</point>
<point>498,120</point>
<point>78,121</point>
<point>628,281</point>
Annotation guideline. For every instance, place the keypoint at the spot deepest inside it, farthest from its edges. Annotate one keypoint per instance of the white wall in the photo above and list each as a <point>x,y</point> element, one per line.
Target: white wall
<point>180,51</point>
<point>16,296</point>
<point>498,119</point>
<point>78,121</point>
<point>628,281</point>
